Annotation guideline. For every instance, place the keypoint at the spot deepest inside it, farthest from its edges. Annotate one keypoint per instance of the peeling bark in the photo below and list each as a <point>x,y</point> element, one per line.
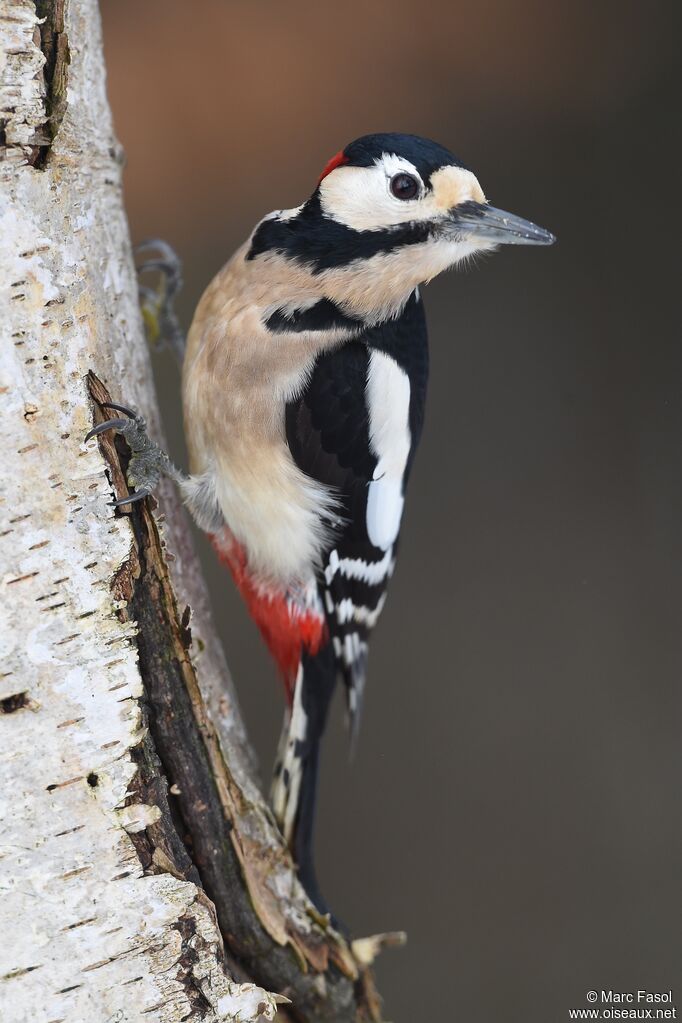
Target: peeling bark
<point>143,875</point>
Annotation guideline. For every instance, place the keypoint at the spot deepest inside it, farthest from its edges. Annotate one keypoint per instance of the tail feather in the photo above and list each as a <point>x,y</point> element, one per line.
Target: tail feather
<point>294,790</point>
<point>287,777</point>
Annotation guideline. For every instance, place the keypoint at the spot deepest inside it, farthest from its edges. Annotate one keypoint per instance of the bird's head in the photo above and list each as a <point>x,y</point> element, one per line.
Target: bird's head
<point>389,212</point>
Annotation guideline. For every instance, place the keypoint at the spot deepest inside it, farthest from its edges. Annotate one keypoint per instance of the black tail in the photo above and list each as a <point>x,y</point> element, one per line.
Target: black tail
<point>294,790</point>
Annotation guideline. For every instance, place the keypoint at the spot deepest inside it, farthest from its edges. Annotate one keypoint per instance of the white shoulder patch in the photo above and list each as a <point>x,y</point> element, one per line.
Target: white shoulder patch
<point>384,511</point>
<point>388,402</point>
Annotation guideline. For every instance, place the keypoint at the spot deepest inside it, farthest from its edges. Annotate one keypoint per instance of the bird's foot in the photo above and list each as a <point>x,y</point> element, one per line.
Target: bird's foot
<point>318,910</point>
<point>158,304</point>
<point>148,462</point>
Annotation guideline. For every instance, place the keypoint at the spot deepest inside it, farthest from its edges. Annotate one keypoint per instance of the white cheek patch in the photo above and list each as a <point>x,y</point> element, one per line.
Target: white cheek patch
<point>388,401</point>
<point>360,197</point>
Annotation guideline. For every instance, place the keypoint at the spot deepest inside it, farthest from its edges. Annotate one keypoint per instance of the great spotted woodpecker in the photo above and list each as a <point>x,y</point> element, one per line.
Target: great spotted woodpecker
<point>304,382</point>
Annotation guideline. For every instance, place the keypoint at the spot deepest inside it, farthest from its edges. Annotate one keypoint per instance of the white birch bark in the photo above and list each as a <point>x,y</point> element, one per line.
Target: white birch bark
<point>86,935</point>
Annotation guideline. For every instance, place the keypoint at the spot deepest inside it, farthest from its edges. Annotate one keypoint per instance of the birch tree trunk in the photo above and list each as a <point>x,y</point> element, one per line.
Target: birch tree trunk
<point>142,876</point>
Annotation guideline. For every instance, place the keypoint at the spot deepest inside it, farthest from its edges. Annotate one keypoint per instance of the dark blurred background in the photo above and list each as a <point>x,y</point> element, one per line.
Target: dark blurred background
<point>514,803</point>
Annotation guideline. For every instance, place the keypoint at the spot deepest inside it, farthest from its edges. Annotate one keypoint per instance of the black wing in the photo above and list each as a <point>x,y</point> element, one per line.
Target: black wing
<point>328,432</point>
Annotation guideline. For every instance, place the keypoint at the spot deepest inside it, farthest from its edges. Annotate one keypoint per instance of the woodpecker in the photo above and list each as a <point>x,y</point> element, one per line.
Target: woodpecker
<point>304,385</point>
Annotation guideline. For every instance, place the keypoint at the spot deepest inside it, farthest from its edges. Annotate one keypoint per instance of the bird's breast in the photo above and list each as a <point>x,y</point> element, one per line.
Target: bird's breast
<point>238,377</point>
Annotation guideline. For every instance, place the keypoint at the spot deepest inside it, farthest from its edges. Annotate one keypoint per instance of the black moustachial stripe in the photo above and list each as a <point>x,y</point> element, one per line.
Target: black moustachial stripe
<point>324,315</point>
<point>320,243</point>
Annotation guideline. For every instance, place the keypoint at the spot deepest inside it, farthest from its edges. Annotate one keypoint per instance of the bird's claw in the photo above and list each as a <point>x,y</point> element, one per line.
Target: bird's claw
<point>148,462</point>
<point>139,495</point>
<point>125,409</point>
<point>157,304</point>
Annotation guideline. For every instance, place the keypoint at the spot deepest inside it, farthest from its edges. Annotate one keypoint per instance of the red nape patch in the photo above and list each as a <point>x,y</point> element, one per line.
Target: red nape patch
<point>336,161</point>
<point>285,629</point>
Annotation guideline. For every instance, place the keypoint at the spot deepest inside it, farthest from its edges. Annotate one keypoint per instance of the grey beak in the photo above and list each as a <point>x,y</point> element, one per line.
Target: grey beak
<point>478,220</point>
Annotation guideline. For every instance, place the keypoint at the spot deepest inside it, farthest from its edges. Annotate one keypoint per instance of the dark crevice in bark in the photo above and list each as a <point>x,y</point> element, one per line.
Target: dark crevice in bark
<point>55,45</point>
<point>189,957</point>
<point>181,771</point>
<point>17,701</point>
<point>160,846</point>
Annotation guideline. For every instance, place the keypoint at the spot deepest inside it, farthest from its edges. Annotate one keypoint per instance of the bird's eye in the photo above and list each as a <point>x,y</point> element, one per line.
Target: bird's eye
<point>404,186</point>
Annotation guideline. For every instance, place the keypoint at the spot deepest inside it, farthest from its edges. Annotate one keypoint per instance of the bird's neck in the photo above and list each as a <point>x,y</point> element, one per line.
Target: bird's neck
<point>369,274</point>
